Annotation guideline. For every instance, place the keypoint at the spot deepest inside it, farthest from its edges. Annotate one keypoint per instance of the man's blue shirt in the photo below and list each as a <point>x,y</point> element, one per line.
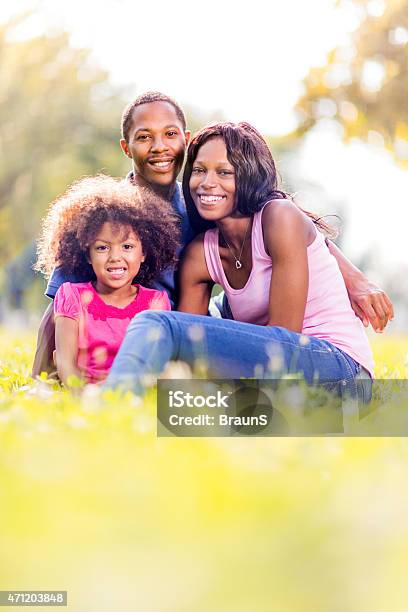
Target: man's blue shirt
<point>166,280</point>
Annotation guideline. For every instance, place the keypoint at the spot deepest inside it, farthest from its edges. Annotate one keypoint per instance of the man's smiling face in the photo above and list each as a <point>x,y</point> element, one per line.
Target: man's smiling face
<point>156,143</point>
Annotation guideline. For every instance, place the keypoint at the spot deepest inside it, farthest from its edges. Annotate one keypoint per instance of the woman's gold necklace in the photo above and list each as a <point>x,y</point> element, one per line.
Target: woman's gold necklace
<point>238,263</point>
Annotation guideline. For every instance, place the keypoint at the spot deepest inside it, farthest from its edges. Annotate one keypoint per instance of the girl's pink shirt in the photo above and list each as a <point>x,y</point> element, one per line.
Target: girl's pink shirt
<point>102,327</point>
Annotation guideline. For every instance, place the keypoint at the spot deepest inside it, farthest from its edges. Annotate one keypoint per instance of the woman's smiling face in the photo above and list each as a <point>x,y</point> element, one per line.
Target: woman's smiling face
<point>212,181</point>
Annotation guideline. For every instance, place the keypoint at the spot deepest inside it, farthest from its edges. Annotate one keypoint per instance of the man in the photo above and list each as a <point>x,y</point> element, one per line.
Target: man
<point>155,137</point>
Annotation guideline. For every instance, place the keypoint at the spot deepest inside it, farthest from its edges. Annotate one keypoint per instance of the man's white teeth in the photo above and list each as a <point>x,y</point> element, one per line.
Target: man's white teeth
<point>161,164</point>
<point>210,198</point>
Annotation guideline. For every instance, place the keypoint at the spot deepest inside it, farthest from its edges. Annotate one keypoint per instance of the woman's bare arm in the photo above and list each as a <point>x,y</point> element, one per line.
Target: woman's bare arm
<point>195,282</point>
<point>286,237</point>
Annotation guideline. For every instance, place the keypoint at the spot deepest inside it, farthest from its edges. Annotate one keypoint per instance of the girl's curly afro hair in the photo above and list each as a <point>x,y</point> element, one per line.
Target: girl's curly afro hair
<point>75,218</point>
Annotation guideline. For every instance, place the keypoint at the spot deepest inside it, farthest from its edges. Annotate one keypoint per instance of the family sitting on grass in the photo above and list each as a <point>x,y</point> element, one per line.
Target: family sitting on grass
<point>123,307</point>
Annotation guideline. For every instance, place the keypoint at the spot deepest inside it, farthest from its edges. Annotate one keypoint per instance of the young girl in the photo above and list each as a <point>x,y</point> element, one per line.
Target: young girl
<point>290,305</point>
<point>116,238</point>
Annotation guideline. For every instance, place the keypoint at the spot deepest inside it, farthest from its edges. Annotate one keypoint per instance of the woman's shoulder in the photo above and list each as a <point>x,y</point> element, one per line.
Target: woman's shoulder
<point>193,263</point>
<point>196,247</point>
<point>199,239</point>
<point>280,209</point>
<point>283,215</point>
<point>284,225</point>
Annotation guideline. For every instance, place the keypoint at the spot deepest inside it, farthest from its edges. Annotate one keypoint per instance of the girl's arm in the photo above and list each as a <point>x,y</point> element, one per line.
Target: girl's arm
<point>286,237</point>
<point>66,344</point>
<point>369,302</point>
<point>195,282</point>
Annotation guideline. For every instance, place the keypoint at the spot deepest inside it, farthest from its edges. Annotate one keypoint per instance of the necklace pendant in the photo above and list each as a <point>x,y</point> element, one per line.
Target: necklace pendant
<point>238,264</point>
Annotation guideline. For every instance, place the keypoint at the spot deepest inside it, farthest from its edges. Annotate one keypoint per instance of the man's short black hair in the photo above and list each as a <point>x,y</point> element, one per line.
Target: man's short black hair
<point>146,98</point>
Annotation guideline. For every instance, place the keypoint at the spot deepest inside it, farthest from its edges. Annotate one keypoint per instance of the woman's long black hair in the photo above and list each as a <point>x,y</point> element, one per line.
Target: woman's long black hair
<point>256,178</point>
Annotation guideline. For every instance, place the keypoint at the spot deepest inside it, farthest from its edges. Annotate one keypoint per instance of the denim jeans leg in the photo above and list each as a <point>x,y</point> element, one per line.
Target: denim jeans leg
<point>231,350</point>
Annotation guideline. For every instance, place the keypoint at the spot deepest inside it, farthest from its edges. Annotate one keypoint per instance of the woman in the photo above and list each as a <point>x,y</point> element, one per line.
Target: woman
<point>291,308</point>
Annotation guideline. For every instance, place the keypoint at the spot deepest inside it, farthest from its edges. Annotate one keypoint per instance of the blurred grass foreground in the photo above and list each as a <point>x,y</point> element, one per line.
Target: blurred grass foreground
<point>92,502</point>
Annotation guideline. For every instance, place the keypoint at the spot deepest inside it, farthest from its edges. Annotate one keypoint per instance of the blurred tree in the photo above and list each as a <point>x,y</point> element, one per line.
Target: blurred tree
<point>364,85</point>
<point>60,120</point>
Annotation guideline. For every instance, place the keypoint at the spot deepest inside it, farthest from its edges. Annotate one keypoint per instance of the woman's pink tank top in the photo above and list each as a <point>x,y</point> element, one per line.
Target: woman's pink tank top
<point>328,313</point>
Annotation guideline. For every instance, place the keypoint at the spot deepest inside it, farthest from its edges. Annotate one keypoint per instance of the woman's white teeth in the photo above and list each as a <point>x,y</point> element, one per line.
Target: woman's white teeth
<point>211,198</point>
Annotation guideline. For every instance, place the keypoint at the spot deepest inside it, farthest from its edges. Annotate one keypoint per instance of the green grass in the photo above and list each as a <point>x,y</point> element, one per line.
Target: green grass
<point>91,501</point>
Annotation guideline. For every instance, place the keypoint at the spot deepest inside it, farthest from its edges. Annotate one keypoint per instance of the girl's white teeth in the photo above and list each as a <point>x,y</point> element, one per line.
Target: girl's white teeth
<point>116,270</point>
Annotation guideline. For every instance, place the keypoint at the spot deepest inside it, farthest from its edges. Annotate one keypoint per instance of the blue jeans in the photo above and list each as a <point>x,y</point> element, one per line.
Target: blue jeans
<point>231,349</point>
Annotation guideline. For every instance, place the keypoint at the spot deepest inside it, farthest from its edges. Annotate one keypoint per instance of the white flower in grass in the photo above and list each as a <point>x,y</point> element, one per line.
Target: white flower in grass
<point>350,407</point>
<point>143,423</point>
<point>177,370</point>
<point>25,388</point>
<point>42,390</point>
<point>148,380</point>
<point>135,401</point>
<point>295,398</point>
<point>154,334</point>
<point>276,364</point>
<point>259,371</point>
<point>276,356</point>
<point>196,333</point>
<point>5,416</point>
<point>76,421</point>
<point>201,367</point>
<point>91,398</point>
<point>91,391</point>
<point>43,428</point>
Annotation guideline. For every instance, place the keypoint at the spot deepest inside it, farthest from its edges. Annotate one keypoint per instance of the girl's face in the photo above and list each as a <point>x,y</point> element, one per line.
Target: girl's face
<point>212,181</point>
<point>115,256</point>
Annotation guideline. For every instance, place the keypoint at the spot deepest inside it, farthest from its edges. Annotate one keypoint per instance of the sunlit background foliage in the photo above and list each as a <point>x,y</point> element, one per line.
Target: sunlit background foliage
<point>364,84</point>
